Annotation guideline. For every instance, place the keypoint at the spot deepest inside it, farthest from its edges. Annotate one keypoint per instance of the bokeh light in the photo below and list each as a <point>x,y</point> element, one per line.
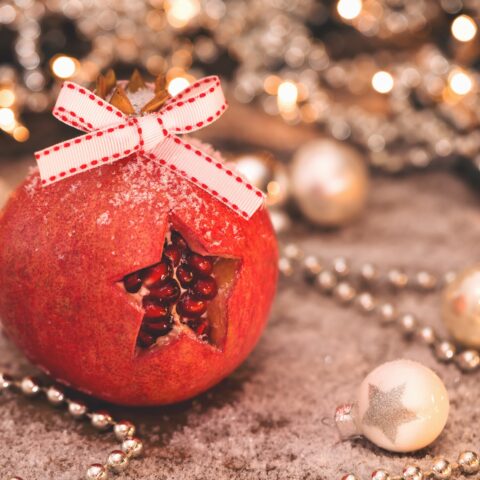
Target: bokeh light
<point>21,133</point>
<point>459,82</point>
<point>7,119</point>
<point>176,85</point>
<point>64,67</point>
<point>349,9</point>
<point>181,12</point>
<point>7,97</point>
<point>271,84</point>
<point>464,28</point>
<point>382,82</point>
<point>287,96</point>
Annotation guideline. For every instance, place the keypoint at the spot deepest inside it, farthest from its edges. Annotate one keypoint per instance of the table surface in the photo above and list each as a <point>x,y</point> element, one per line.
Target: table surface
<point>272,418</point>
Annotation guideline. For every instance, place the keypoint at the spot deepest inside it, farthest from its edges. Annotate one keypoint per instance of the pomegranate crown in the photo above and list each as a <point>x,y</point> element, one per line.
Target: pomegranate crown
<point>117,94</point>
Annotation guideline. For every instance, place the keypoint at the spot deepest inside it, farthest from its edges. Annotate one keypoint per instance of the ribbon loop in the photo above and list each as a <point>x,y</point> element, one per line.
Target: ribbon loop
<point>186,112</point>
<point>112,135</point>
<point>82,109</point>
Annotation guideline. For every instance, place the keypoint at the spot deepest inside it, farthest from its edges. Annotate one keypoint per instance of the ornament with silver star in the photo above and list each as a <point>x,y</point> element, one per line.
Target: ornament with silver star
<point>402,406</point>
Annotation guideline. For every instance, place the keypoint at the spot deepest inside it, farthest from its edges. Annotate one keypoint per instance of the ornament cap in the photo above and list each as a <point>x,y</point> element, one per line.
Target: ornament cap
<point>346,420</point>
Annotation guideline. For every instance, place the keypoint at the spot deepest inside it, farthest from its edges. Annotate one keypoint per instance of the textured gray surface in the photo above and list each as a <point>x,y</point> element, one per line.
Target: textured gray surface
<point>272,418</point>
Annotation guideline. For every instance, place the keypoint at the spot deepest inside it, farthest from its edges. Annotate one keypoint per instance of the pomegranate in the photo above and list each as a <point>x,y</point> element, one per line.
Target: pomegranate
<point>131,284</point>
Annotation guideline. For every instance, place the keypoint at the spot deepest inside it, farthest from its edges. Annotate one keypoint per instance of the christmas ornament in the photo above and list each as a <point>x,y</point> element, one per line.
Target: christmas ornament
<point>155,265</point>
<point>402,406</point>
<point>267,174</point>
<point>329,182</point>
<point>461,307</point>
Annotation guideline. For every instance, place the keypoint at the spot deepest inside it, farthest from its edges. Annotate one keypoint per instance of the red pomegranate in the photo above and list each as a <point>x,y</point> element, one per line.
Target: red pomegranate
<point>131,284</point>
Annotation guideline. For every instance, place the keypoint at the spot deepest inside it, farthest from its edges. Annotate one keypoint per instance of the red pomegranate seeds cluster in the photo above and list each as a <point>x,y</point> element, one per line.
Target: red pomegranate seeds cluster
<point>180,288</point>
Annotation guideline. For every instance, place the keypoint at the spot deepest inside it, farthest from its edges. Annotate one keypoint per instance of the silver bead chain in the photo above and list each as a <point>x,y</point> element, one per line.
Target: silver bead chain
<point>468,463</point>
<point>359,289</point>
<point>118,460</point>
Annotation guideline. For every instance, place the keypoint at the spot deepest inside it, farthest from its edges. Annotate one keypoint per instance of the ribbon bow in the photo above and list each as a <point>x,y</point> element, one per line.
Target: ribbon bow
<point>112,135</point>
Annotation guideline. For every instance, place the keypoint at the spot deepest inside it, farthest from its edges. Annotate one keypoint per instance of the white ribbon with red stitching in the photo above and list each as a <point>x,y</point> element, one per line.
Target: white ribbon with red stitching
<point>112,135</point>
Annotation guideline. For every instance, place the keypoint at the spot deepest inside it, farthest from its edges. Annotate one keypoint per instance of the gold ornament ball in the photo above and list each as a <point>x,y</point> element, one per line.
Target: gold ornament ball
<point>461,307</point>
<point>329,182</point>
<point>263,171</point>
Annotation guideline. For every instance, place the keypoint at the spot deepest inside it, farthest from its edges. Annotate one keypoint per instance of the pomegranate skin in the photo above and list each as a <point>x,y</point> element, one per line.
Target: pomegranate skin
<point>64,249</point>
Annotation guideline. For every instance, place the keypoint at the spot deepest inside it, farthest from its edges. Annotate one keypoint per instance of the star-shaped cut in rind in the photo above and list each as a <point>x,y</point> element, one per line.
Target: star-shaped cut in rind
<point>184,292</point>
<point>386,410</point>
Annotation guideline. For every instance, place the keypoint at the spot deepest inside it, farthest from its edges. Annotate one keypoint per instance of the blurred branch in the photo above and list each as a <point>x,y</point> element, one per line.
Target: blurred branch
<point>246,124</point>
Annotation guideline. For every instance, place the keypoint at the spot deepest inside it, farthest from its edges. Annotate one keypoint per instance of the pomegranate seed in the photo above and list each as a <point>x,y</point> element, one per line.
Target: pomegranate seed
<point>144,339</point>
<point>205,288</point>
<point>190,307</point>
<point>185,275</point>
<point>167,292</point>
<point>154,309</point>
<point>202,265</point>
<point>173,253</point>
<point>132,282</point>
<point>202,327</point>
<point>159,326</point>
<point>158,273</point>
<point>199,325</point>
<point>178,240</point>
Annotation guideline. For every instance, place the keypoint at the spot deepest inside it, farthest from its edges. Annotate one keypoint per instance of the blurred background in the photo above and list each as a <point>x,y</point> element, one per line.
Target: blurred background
<point>322,93</point>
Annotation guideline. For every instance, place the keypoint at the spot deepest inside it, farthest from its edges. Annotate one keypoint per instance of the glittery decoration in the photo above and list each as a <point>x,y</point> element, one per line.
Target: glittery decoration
<point>395,88</point>
<point>386,410</point>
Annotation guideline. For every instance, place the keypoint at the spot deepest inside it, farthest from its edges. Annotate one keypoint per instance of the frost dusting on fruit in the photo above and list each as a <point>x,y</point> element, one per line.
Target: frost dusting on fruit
<point>143,183</point>
<point>104,219</point>
<point>148,179</point>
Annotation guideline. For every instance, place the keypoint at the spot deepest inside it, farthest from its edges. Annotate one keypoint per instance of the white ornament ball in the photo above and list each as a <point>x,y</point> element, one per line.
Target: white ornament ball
<point>329,182</point>
<point>461,307</point>
<point>402,406</point>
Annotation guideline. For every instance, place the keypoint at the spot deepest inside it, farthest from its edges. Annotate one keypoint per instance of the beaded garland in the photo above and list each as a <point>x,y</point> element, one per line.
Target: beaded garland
<point>118,460</point>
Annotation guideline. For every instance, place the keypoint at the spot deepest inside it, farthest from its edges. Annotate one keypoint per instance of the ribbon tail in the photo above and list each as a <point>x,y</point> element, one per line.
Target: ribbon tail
<point>88,151</point>
<point>209,174</point>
